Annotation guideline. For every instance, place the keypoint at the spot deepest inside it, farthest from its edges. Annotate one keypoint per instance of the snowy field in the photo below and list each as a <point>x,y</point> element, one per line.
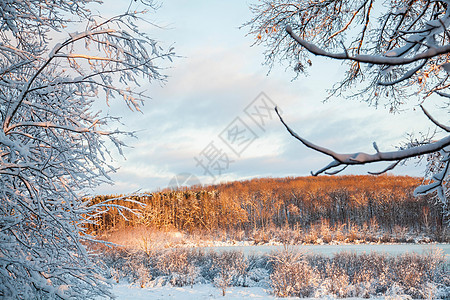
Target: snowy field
<point>197,292</point>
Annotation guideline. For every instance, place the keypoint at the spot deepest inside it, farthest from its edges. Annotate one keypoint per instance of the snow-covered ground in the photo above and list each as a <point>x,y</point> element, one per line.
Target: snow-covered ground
<point>198,292</point>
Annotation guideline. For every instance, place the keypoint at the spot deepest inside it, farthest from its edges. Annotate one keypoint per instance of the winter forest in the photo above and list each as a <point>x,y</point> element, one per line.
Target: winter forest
<point>108,191</point>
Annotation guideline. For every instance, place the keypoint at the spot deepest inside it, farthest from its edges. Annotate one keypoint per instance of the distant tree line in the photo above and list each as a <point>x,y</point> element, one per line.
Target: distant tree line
<point>301,202</point>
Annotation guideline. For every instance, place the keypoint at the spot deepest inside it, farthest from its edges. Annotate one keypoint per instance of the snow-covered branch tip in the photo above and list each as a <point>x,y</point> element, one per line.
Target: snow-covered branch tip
<point>438,124</point>
<point>370,59</point>
<point>360,158</point>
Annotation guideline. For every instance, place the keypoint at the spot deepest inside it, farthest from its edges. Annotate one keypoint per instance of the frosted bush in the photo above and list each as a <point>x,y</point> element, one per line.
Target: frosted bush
<point>396,292</point>
<point>258,277</point>
<point>364,284</point>
<point>232,269</point>
<point>292,275</point>
<point>417,274</point>
<point>176,264</point>
<point>144,277</point>
<point>336,282</point>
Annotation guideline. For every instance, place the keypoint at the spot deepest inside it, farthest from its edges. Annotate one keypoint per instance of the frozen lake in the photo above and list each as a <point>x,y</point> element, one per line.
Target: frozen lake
<point>393,249</point>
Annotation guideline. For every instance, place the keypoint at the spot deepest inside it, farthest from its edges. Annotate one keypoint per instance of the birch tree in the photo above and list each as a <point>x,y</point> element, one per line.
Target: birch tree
<point>396,52</point>
<point>53,144</point>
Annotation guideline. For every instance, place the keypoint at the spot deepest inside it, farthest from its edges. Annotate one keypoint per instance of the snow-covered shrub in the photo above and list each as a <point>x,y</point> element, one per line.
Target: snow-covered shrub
<point>364,284</point>
<point>258,270</point>
<point>326,231</point>
<point>419,275</point>
<point>232,269</point>
<point>292,275</point>
<point>177,265</point>
<point>223,282</point>
<point>312,236</point>
<point>365,275</point>
<point>347,261</point>
<point>286,235</point>
<point>260,236</point>
<point>258,277</point>
<point>400,233</point>
<point>396,292</point>
<point>335,282</point>
<point>139,268</point>
<point>114,260</point>
<point>143,275</point>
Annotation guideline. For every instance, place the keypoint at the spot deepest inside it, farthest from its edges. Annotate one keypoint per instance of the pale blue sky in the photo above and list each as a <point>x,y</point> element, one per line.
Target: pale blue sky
<point>217,76</point>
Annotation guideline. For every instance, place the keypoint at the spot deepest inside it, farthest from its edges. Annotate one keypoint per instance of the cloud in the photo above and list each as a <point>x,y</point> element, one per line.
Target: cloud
<point>218,76</point>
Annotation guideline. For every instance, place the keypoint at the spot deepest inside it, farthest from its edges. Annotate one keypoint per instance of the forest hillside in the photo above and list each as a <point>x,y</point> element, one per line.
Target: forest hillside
<point>360,208</point>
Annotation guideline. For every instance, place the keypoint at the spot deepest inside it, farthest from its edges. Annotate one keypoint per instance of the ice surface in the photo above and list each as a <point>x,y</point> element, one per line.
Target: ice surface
<point>393,249</point>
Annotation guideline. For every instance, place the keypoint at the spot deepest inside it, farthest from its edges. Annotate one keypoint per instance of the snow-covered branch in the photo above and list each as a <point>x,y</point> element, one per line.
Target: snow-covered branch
<point>360,158</point>
<point>371,59</point>
<point>387,48</point>
<point>438,124</point>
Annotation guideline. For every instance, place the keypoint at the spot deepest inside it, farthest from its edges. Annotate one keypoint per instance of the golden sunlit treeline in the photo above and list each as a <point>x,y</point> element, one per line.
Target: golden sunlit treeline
<point>383,201</point>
